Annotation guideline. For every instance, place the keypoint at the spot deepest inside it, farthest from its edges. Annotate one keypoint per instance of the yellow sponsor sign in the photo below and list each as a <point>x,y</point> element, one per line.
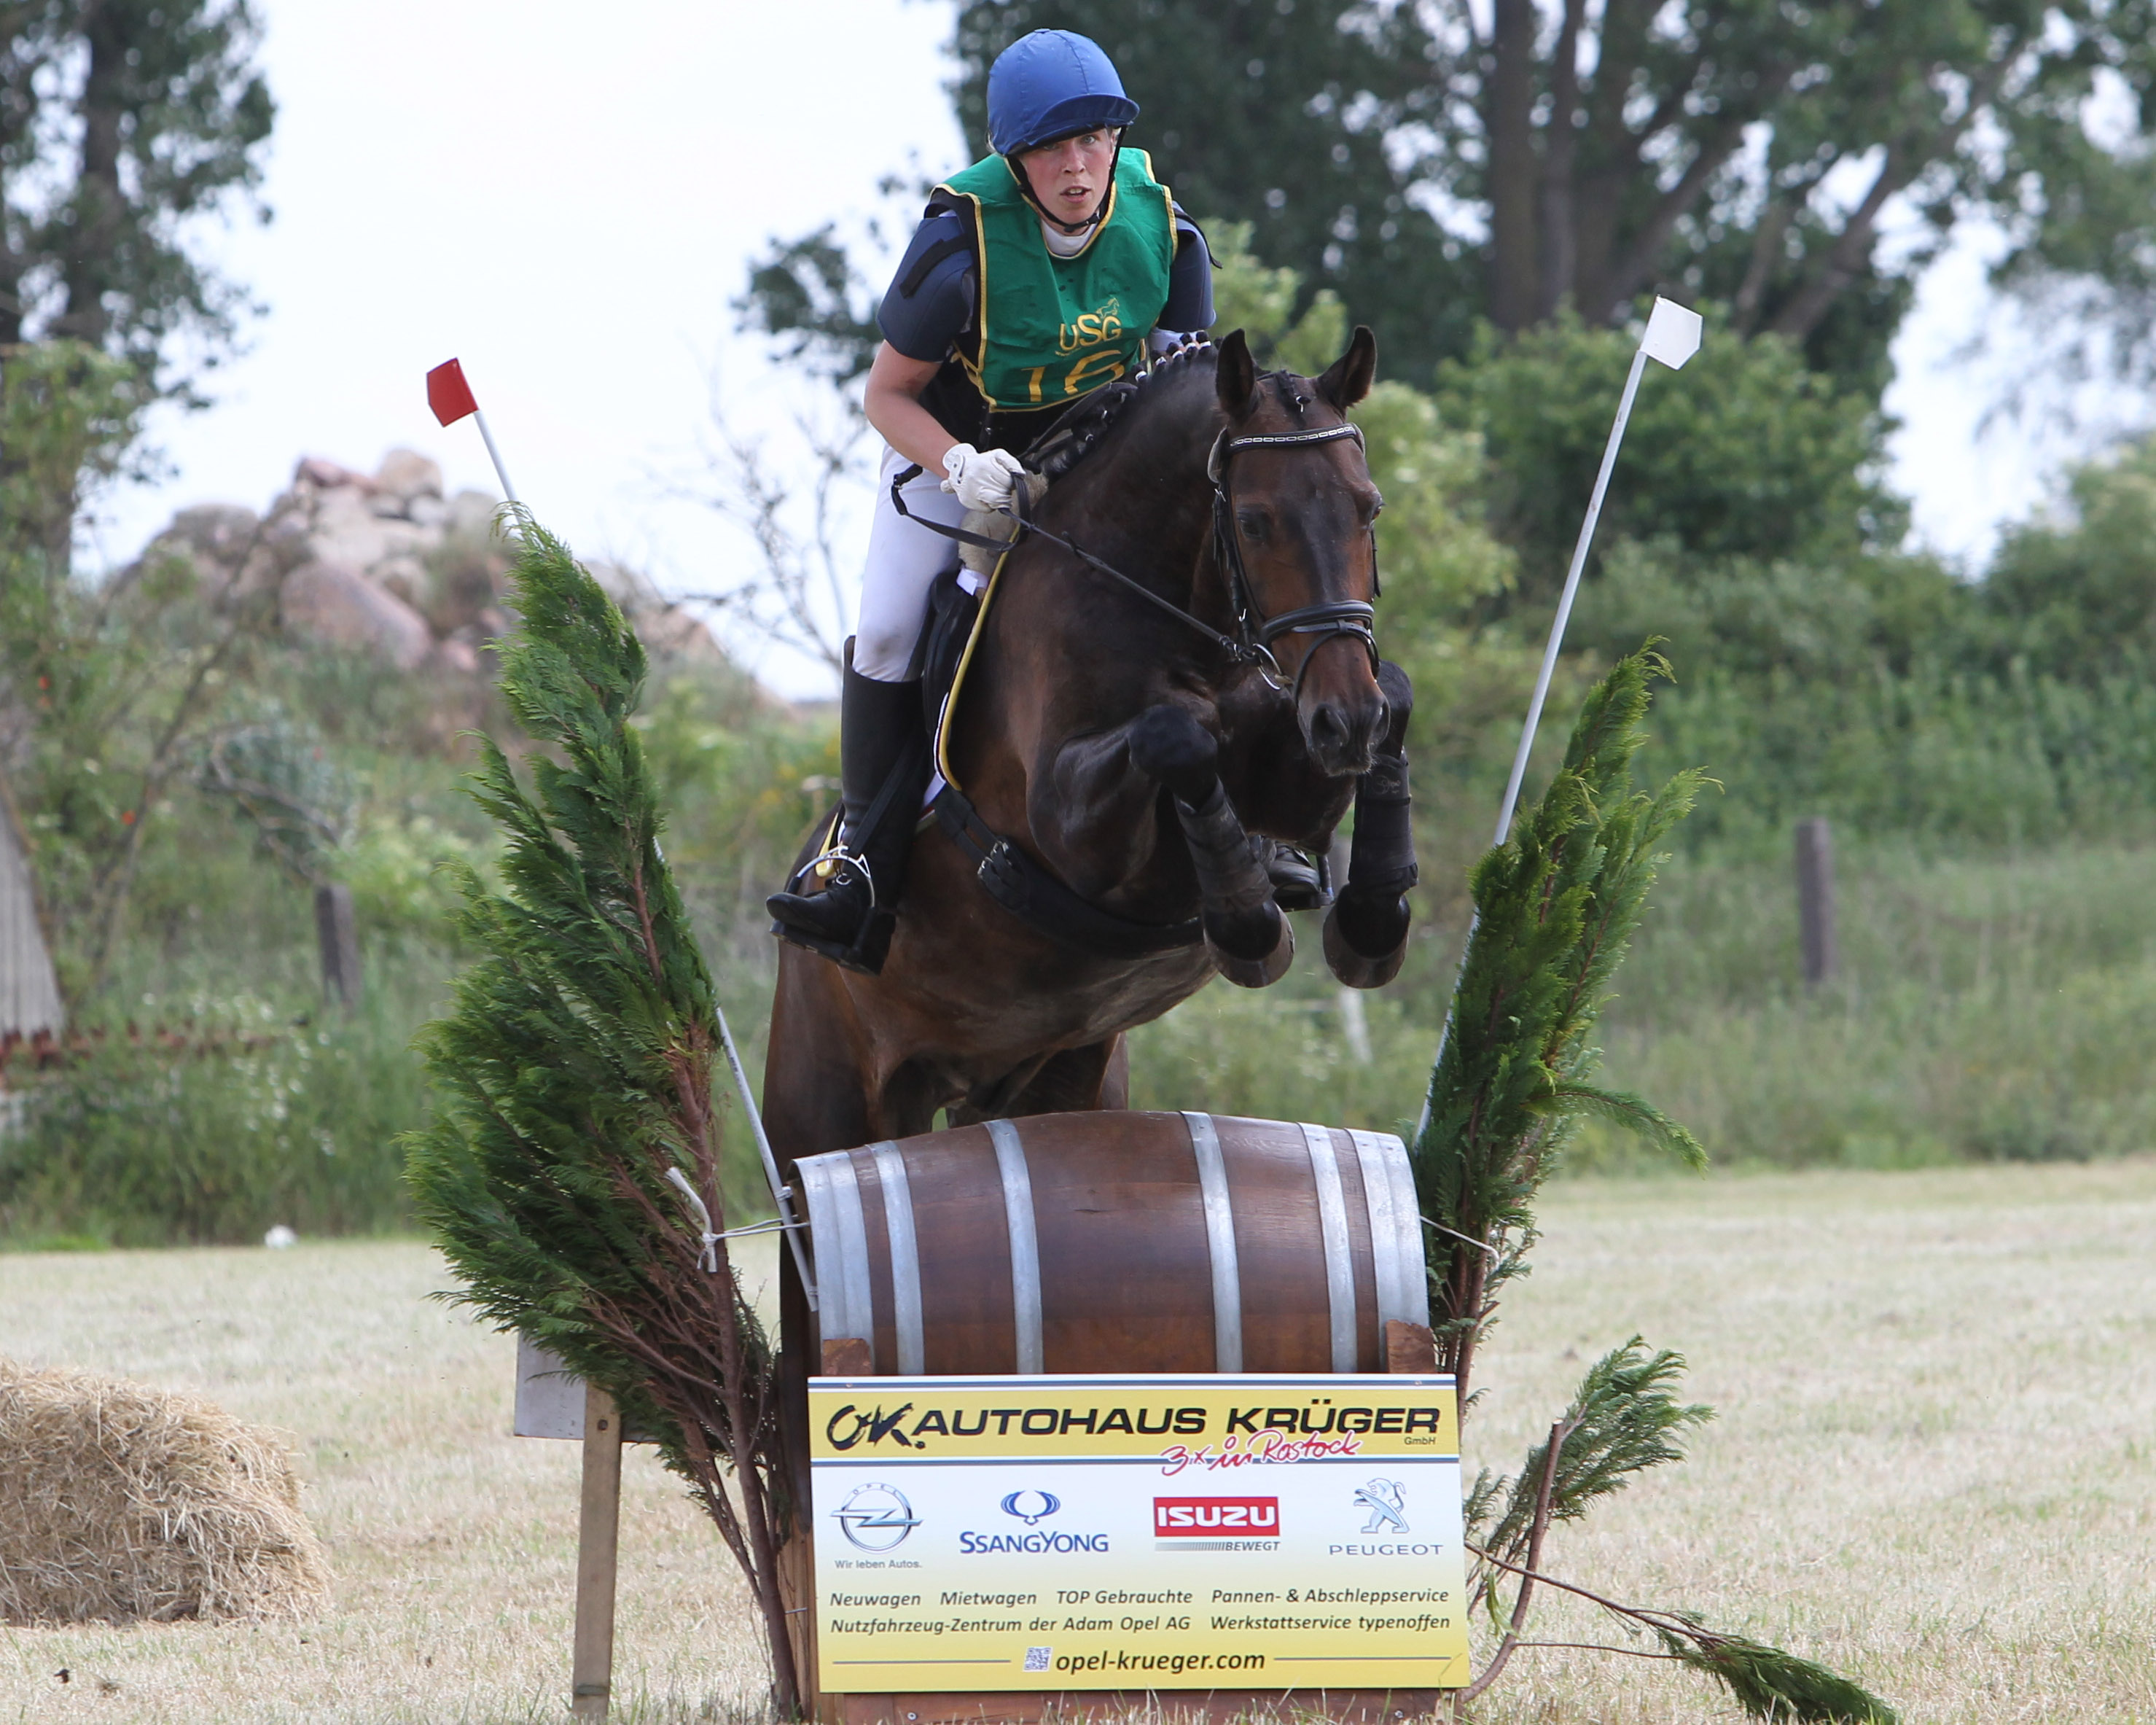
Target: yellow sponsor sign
<point>1137,1532</point>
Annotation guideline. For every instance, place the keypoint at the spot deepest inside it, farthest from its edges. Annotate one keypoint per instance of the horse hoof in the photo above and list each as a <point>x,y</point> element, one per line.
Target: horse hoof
<point>1358,969</point>
<point>1260,972</point>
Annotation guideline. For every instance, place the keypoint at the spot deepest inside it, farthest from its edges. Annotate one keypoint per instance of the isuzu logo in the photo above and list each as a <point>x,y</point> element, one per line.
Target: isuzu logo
<point>1216,1517</point>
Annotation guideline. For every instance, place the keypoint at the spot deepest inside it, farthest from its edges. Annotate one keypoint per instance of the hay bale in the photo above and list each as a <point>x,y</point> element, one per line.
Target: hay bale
<point>120,1503</point>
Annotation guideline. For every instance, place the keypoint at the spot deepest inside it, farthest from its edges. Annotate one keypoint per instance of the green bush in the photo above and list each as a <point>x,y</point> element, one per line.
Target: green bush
<point>264,1122</point>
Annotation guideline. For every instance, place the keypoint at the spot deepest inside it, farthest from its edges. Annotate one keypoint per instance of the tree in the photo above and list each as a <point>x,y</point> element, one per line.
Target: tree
<point>1435,161</point>
<point>572,1170</point>
<point>105,691</point>
<point>1744,453</point>
<point>121,123</point>
<point>2076,597</point>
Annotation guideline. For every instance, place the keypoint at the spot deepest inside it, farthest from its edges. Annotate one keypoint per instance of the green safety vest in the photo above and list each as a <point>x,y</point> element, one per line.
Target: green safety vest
<point>1048,330</point>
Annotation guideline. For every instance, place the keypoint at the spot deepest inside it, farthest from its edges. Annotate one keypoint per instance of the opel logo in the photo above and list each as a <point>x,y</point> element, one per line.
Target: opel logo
<point>877,1518</point>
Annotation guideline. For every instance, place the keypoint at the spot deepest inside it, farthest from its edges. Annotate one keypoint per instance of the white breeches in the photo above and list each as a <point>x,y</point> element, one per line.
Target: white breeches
<point>903,563</point>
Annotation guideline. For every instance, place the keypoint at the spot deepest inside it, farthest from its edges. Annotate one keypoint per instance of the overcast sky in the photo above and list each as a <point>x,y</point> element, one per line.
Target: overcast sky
<point>568,204</point>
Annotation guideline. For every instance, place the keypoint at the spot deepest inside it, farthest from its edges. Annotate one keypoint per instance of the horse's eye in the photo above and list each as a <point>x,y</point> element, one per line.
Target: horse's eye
<point>1254,523</point>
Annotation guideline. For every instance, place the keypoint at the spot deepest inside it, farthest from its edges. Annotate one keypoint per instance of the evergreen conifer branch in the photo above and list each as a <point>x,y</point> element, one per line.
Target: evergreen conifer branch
<point>1625,1418</point>
<point>575,1071</point>
<point>1769,1683</point>
<point>1555,907</point>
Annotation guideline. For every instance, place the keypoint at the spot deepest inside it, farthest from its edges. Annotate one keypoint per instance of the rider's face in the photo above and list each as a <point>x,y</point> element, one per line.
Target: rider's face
<point>1069,176</point>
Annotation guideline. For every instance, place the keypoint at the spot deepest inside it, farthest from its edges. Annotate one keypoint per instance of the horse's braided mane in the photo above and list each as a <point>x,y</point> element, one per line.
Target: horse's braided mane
<point>1074,436</point>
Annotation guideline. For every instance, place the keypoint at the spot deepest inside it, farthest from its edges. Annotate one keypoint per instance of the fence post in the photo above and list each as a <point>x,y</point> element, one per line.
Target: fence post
<point>339,938</point>
<point>598,1533</point>
<point>1815,901</point>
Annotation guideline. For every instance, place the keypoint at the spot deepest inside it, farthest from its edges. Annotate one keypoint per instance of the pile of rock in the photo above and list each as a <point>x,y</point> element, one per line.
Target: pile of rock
<point>385,563</point>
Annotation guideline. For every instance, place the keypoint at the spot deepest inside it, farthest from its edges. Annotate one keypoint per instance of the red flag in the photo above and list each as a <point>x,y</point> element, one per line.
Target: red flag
<point>448,393</point>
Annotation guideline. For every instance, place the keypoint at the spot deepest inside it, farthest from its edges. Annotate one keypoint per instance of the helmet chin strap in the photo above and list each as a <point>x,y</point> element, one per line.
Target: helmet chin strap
<point>1099,210</point>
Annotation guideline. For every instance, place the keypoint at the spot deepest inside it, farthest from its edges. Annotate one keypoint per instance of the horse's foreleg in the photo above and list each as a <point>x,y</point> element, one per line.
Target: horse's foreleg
<point>1366,932</point>
<point>1249,939</point>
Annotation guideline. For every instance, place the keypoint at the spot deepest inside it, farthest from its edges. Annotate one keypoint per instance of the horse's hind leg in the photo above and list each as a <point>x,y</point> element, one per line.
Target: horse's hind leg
<point>1250,941</point>
<point>1096,1076</point>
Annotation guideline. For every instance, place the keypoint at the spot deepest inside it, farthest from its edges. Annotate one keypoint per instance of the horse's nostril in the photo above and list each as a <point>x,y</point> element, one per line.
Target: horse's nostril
<point>1328,729</point>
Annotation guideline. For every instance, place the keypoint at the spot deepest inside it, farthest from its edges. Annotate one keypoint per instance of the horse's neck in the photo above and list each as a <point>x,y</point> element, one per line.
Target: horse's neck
<point>1148,508</point>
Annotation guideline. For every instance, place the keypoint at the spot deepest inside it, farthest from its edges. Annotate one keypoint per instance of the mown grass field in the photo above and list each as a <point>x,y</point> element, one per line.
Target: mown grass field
<point>1935,1465</point>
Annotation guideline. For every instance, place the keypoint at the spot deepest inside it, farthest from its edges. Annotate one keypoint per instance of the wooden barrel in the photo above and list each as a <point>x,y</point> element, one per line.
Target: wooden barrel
<point>1118,1242</point>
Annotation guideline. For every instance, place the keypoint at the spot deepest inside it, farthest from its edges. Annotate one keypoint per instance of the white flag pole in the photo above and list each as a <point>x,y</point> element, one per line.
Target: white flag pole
<point>501,472</point>
<point>1671,337</point>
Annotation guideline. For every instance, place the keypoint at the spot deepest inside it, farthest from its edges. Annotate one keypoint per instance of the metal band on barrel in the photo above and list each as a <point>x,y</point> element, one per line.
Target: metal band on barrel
<point>1395,1228</point>
<point>1339,1251</point>
<point>1025,1244</point>
<point>1219,1243</point>
<point>905,1257</point>
<point>841,1236</point>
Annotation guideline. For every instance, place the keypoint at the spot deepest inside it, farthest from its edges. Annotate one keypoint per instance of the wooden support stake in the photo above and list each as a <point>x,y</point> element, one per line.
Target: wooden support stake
<point>1815,901</point>
<point>338,935</point>
<point>598,1530</point>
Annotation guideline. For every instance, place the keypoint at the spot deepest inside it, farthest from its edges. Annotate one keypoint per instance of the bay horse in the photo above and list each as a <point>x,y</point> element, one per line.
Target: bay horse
<point>1123,746</point>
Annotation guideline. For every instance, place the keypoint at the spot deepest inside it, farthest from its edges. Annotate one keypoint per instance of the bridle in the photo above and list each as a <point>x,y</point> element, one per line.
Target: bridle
<point>1339,616</point>
<point>1251,644</point>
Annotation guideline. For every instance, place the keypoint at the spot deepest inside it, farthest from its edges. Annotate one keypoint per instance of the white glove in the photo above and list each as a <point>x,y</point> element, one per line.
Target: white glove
<point>981,479</point>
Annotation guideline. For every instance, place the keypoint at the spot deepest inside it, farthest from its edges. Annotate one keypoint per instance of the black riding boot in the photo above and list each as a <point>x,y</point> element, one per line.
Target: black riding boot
<point>883,768</point>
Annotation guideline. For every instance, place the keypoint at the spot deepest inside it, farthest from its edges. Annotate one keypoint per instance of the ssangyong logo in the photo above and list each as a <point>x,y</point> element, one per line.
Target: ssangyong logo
<point>877,1518</point>
<point>1216,1517</point>
<point>1032,1508</point>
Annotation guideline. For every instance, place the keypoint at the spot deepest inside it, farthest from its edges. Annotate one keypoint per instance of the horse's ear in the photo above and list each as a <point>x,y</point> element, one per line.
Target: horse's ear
<point>1349,381</point>
<point>1235,377</point>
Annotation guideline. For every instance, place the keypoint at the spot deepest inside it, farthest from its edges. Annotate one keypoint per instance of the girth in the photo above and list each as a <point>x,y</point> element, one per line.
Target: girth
<point>1033,895</point>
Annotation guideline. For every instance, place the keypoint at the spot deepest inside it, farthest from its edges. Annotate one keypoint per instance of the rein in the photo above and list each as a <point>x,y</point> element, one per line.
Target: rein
<point>1251,644</point>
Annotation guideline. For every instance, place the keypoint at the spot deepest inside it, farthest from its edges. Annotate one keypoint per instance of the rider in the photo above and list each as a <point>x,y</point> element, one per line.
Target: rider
<point>1038,274</point>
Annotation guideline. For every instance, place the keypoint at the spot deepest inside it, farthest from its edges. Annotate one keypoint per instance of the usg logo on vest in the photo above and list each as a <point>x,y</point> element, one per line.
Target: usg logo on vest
<point>1103,323</point>
<point>1216,1524</point>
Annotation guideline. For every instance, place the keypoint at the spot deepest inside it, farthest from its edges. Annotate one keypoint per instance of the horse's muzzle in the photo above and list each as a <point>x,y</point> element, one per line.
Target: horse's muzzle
<point>1341,735</point>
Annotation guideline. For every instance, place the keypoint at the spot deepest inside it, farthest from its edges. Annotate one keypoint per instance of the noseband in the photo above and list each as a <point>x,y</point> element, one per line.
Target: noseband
<point>1254,629</point>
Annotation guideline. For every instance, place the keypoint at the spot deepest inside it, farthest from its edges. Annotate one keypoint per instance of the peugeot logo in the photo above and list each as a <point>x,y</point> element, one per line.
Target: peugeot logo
<point>1383,1499</point>
<point>1046,1505</point>
<point>877,1518</point>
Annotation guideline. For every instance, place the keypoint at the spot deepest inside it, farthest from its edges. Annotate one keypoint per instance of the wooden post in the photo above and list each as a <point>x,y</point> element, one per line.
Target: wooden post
<point>598,1529</point>
<point>1815,901</point>
<point>338,935</point>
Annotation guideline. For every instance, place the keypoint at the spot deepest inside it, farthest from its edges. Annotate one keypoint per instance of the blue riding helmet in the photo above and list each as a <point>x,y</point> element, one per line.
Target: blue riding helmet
<point>1050,85</point>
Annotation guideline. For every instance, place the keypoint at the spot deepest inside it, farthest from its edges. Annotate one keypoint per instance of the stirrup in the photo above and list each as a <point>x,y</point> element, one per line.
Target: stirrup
<point>1299,882</point>
<point>826,864</point>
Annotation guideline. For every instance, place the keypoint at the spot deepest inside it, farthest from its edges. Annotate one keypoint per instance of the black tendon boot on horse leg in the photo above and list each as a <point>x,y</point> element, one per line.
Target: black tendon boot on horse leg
<point>1365,934</point>
<point>1251,943</point>
<point>883,769</point>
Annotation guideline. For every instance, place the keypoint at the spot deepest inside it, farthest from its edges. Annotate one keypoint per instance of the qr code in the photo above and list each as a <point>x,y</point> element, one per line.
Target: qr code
<point>1036,1659</point>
